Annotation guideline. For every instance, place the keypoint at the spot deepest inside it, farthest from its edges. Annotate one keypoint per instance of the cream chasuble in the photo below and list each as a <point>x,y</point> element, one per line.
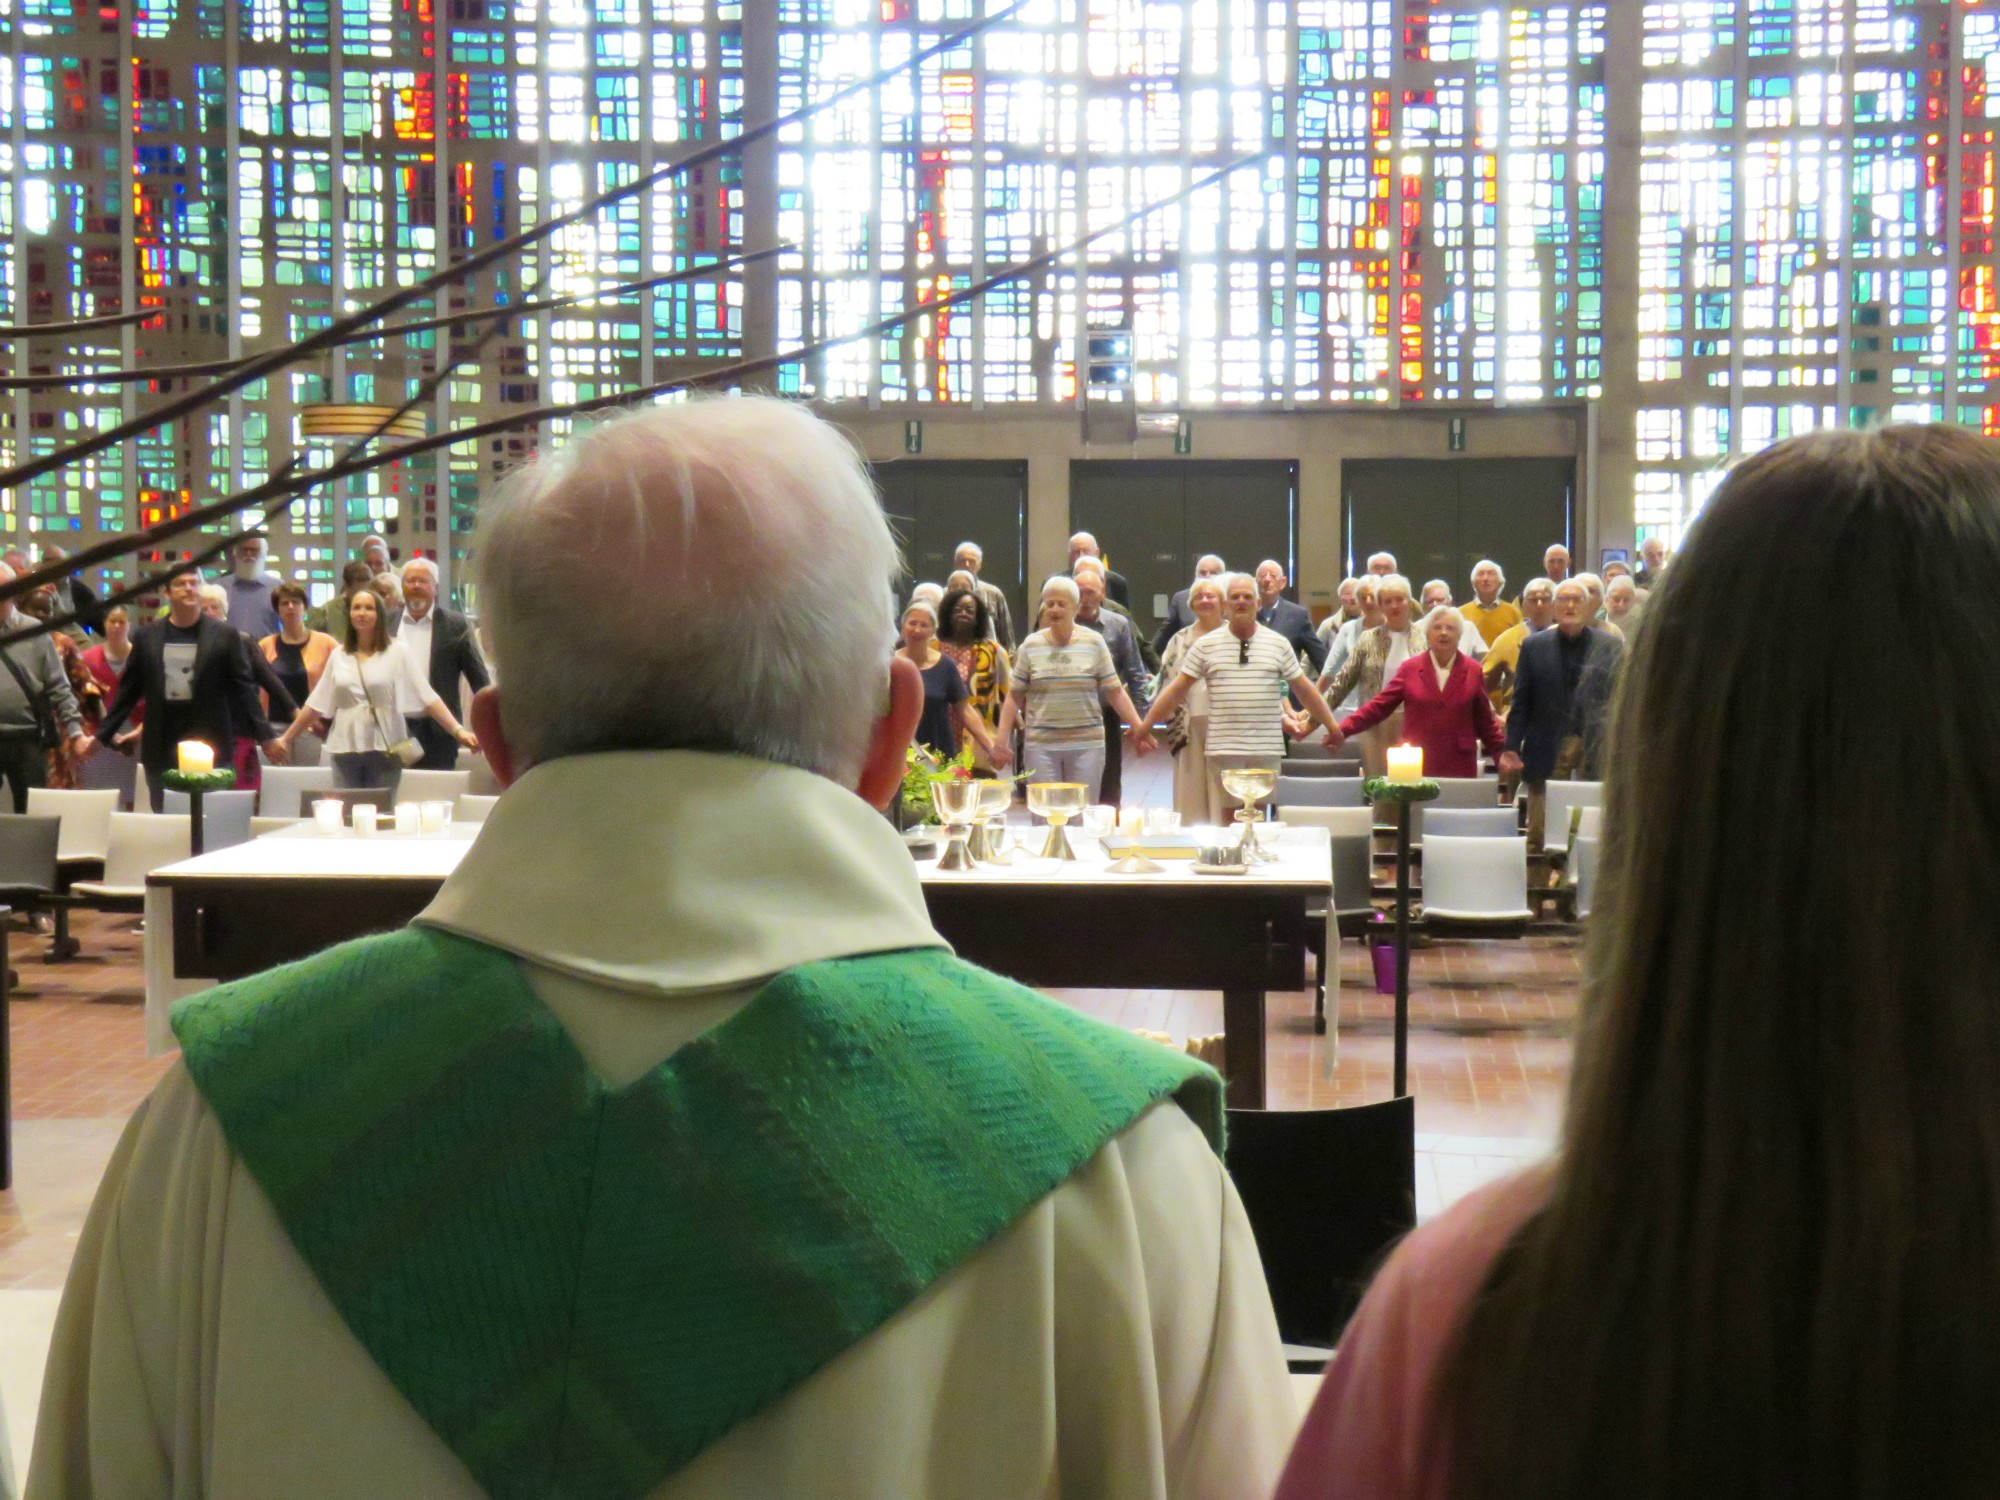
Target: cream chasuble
<point>1115,1341</point>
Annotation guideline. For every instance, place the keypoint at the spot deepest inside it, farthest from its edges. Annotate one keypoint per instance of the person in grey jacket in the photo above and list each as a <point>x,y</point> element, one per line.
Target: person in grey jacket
<point>37,664</point>
<point>1095,613</point>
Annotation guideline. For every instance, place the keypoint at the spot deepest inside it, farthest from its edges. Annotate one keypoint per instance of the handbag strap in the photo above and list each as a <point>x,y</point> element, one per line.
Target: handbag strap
<point>389,741</point>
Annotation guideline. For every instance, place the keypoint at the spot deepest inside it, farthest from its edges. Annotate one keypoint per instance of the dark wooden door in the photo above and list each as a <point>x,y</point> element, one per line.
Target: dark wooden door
<point>1155,518</point>
<point>1442,516</point>
<point>934,504</point>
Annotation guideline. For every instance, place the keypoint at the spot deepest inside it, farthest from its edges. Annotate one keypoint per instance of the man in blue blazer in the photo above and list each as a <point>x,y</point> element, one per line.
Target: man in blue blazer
<point>1292,621</point>
<point>1562,694</point>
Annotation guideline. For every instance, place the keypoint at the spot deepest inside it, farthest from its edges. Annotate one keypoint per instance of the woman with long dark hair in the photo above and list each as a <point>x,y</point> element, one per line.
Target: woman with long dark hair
<point>1766,1260</point>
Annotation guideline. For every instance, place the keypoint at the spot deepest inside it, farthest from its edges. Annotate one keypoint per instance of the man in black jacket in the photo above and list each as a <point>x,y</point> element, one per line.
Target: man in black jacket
<point>194,677</point>
<point>1292,621</point>
<point>1562,692</point>
<point>442,641</point>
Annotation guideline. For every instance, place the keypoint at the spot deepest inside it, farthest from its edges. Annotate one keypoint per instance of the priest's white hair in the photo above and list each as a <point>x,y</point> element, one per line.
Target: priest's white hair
<point>713,574</point>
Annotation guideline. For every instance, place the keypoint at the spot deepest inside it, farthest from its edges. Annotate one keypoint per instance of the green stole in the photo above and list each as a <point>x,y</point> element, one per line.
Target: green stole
<point>581,1287</point>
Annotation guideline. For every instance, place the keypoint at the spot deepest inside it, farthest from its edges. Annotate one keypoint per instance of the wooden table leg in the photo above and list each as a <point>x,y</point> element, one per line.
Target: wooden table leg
<point>1243,1047</point>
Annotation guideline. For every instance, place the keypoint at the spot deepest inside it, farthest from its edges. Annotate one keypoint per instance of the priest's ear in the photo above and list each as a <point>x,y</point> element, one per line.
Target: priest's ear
<point>889,741</point>
<point>485,721</point>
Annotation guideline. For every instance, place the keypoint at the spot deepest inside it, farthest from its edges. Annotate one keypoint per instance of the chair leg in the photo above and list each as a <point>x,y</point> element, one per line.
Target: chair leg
<point>62,946</point>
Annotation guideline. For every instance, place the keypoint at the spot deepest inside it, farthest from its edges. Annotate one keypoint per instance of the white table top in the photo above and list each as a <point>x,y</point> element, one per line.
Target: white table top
<point>1304,858</point>
<point>305,852</point>
<point>310,854</point>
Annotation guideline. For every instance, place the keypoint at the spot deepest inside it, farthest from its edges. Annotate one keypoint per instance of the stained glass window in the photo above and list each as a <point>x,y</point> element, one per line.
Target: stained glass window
<point>1413,210</point>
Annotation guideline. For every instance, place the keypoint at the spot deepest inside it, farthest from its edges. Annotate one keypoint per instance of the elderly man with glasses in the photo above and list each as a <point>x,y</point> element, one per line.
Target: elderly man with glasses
<point>1249,669</point>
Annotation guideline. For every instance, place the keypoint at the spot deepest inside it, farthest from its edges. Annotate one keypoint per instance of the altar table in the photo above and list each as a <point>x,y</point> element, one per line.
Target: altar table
<point>1053,925</point>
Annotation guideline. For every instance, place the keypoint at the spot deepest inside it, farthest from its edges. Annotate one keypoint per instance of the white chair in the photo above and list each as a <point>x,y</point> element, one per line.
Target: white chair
<point>1562,796</point>
<point>1590,823</point>
<point>261,826</point>
<point>308,750</point>
<point>1454,792</point>
<point>1351,837</point>
<point>140,843</point>
<point>225,816</point>
<point>1476,880</point>
<point>1472,823</point>
<point>483,783</point>
<point>286,788</point>
<point>1319,791</point>
<point>1583,854</point>
<point>432,786</point>
<point>142,792</point>
<point>86,819</point>
<point>472,809</point>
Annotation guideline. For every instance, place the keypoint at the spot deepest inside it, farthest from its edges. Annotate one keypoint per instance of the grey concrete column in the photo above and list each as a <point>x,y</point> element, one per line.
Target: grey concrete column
<point>760,187</point>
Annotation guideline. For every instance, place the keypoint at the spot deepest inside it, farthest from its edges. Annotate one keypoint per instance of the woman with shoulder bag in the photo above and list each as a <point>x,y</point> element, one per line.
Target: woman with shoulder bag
<point>367,689</point>
<point>1187,732</point>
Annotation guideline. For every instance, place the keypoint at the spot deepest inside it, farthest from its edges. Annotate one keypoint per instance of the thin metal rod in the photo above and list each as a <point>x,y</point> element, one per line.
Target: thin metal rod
<point>269,364</point>
<point>1402,1074</point>
<point>196,843</point>
<point>79,325</point>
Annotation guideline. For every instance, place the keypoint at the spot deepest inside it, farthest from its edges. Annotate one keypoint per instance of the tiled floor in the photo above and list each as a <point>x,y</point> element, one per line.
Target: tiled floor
<point>1489,1064</point>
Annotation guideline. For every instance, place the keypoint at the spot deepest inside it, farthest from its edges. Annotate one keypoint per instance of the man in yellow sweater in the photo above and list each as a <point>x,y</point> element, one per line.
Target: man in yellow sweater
<point>1488,613</point>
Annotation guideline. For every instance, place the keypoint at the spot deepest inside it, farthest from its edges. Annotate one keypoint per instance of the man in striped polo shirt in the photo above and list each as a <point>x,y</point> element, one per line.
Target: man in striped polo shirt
<point>1249,669</point>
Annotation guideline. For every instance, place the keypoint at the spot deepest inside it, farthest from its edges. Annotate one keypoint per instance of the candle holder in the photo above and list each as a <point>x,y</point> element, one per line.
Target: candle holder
<point>194,783</point>
<point>1402,793</point>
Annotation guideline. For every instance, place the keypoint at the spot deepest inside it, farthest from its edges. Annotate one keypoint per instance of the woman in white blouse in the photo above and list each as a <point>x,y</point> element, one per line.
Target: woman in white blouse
<point>368,688</point>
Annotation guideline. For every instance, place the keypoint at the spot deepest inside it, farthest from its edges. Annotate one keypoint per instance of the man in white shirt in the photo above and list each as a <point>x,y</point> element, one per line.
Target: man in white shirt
<point>1249,669</point>
<point>670,1153</point>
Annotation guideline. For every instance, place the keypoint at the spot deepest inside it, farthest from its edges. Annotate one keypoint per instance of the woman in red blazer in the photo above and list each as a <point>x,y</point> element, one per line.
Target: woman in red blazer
<point>1450,720</point>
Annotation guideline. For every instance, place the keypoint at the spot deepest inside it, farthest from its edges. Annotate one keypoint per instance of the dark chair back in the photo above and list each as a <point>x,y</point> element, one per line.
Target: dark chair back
<point>1328,1193</point>
<point>28,851</point>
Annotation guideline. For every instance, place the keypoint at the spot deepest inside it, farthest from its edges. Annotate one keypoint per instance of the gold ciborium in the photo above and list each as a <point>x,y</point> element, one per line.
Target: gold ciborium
<point>957,804</point>
<point>1057,801</point>
<point>996,797</point>
<point>1250,785</point>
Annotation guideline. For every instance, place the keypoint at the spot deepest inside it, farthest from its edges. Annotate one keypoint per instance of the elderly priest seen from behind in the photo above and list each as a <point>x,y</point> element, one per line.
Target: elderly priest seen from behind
<point>670,1152</point>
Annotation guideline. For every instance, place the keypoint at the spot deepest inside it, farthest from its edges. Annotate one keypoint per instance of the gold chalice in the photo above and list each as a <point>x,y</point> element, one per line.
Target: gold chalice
<point>957,803</point>
<point>996,797</point>
<point>1057,801</point>
<point>1250,785</point>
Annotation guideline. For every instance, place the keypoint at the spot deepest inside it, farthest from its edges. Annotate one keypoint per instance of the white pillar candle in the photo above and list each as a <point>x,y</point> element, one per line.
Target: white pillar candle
<point>435,816</point>
<point>408,818</point>
<point>364,819</point>
<point>1406,763</point>
<point>326,813</point>
<point>196,758</point>
<point>1131,820</point>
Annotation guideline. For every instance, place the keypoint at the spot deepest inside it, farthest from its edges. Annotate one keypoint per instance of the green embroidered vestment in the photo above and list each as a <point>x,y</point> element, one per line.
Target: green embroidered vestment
<point>581,1287</point>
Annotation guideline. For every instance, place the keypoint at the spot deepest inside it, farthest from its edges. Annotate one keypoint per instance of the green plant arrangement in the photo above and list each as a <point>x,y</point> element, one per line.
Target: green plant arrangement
<point>1382,789</point>
<point>198,781</point>
<point>923,769</point>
